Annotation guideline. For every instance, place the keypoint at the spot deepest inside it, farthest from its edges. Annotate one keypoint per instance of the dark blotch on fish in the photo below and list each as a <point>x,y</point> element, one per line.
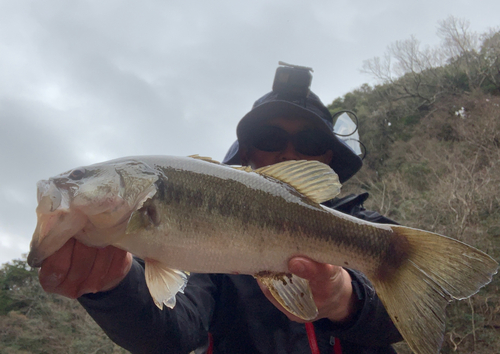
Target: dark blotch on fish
<point>397,252</point>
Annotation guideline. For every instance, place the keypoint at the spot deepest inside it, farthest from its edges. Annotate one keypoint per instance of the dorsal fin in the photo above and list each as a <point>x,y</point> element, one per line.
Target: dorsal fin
<point>204,158</point>
<point>314,179</point>
<point>243,168</point>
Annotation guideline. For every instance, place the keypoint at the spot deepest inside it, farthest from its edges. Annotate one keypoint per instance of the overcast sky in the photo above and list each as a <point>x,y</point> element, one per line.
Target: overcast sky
<point>87,81</point>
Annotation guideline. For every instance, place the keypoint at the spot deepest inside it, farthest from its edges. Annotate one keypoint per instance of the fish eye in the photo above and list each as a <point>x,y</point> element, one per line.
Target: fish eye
<point>77,174</point>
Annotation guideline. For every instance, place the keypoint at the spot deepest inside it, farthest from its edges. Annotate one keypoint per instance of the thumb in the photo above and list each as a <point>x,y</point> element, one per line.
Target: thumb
<point>311,270</point>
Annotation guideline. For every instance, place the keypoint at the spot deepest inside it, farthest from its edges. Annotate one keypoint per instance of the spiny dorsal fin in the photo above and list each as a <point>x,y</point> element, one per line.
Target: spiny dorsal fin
<point>204,158</point>
<point>243,168</point>
<point>314,179</point>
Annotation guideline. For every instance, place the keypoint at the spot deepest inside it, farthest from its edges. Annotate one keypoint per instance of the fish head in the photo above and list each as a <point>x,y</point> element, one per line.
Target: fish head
<point>99,198</point>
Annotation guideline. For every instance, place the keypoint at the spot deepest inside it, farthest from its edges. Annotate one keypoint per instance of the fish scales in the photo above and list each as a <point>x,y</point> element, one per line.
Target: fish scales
<point>194,214</point>
<point>235,204</point>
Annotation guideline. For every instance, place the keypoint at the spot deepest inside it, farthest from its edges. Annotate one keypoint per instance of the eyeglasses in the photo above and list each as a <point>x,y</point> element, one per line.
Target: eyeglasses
<point>311,142</point>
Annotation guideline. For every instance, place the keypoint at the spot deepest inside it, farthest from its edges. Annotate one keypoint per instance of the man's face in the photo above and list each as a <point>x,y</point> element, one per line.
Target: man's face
<point>255,158</point>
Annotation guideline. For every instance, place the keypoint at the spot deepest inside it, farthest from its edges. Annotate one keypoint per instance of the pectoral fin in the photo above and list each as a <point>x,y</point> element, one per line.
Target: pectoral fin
<point>163,283</point>
<point>292,292</point>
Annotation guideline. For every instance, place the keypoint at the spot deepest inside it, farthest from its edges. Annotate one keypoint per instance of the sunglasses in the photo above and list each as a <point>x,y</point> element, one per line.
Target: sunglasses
<point>311,142</point>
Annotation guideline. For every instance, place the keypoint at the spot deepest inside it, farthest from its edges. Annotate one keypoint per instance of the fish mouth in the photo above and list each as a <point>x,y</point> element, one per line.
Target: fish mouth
<point>56,223</point>
<point>51,233</point>
<point>59,219</point>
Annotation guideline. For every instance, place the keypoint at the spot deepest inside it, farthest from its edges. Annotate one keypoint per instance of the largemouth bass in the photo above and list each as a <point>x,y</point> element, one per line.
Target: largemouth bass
<point>192,214</point>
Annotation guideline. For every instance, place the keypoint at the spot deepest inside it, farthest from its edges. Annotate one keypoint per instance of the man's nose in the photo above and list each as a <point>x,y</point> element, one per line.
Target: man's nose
<point>289,153</point>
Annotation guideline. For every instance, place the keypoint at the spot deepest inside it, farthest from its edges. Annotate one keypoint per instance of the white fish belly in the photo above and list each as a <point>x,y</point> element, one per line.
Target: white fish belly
<point>234,253</point>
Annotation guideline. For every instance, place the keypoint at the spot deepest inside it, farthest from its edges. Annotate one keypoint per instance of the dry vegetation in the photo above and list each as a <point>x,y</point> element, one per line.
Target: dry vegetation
<point>432,130</point>
<point>32,321</point>
<point>446,179</point>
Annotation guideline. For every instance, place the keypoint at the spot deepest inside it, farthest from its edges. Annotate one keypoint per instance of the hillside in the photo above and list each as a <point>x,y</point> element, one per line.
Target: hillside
<point>432,135</point>
<point>32,321</point>
<point>445,177</point>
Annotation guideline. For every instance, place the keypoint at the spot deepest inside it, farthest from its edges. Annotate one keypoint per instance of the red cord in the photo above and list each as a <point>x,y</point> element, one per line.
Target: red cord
<point>311,336</point>
<point>210,349</point>
<point>337,349</point>
<point>313,343</point>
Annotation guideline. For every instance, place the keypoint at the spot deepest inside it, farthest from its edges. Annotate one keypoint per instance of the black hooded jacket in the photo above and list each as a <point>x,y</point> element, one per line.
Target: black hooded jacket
<point>236,313</point>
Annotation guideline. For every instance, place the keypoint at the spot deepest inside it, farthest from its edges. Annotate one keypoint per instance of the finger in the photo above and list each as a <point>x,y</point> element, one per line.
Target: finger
<point>330,286</point>
<point>97,274</point>
<point>311,270</point>
<point>55,268</point>
<point>121,262</point>
<point>82,262</point>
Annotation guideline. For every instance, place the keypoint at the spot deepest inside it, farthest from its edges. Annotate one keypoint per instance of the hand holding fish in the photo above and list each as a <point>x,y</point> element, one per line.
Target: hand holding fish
<point>330,286</point>
<point>76,269</point>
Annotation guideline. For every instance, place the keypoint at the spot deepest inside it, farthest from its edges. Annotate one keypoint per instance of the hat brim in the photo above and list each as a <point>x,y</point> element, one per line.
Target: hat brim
<point>344,161</point>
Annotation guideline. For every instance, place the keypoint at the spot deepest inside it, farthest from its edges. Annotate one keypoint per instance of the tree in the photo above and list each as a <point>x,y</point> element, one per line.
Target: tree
<point>461,47</point>
<point>490,52</point>
<point>14,277</point>
<point>411,71</point>
<point>459,64</point>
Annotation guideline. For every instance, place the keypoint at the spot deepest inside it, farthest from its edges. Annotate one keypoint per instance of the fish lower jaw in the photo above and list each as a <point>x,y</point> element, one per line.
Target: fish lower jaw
<point>34,261</point>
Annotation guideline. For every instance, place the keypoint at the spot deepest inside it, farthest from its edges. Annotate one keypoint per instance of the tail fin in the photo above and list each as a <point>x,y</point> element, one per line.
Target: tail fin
<point>439,270</point>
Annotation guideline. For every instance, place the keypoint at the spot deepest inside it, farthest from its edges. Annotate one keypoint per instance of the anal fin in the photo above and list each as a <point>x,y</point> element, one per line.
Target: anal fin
<point>164,283</point>
<point>292,292</point>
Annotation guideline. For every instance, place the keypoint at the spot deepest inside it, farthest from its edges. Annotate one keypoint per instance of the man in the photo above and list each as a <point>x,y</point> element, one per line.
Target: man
<point>240,314</point>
